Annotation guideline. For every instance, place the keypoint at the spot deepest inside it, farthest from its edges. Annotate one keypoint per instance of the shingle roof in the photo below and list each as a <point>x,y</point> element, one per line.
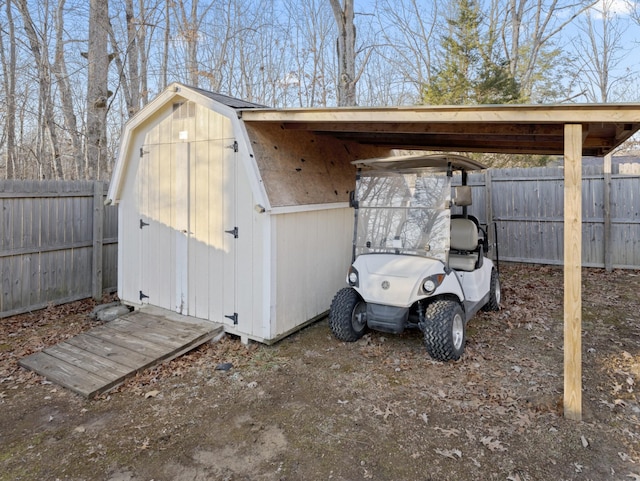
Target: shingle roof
<point>227,100</point>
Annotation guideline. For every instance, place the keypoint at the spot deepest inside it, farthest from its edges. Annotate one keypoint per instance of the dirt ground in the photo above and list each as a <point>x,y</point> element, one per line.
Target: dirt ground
<point>314,408</point>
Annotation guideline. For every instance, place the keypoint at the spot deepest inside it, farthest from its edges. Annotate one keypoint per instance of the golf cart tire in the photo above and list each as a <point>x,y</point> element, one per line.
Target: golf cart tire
<point>444,330</point>
<point>494,293</point>
<point>347,315</point>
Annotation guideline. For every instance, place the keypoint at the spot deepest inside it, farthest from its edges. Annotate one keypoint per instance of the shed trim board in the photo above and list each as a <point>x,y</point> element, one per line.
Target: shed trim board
<point>291,209</point>
<point>297,165</point>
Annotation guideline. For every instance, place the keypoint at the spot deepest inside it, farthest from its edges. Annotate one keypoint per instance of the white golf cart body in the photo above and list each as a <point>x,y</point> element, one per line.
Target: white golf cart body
<point>409,252</point>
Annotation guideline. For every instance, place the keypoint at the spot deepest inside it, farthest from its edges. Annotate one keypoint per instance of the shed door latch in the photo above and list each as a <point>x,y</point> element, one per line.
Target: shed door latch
<point>234,318</point>
<point>143,296</point>
<point>233,146</point>
<point>143,223</point>
<point>233,232</point>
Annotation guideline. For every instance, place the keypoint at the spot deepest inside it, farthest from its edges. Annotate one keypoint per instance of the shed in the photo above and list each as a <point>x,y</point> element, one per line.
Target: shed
<point>287,188</point>
<point>246,226</point>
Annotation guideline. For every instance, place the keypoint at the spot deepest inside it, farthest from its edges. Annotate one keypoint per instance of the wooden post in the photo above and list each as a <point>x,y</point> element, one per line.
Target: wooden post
<point>489,211</point>
<point>98,235</point>
<point>572,271</point>
<point>608,265</point>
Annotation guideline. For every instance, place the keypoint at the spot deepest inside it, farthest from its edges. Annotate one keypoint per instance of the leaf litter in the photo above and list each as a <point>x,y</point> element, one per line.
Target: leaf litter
<point>380,400</point>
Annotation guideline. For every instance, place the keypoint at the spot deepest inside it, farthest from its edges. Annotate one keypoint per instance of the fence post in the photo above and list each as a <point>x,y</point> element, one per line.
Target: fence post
<point>98,236</point>
<point>608,265</point>
<point>493,242</point>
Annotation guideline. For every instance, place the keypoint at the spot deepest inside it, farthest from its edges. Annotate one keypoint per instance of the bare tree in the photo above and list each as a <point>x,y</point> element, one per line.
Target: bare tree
<point>61,73</point>
<point>97,90</point>
<point>528,31</point>
<point>189,20</point>
<point>46,121</point>
<point>346,48</point>
<point>312,29</point>
<point>165,43</point>
<point>9,80</point>
<point>408,29</point>
<point>600,54</point>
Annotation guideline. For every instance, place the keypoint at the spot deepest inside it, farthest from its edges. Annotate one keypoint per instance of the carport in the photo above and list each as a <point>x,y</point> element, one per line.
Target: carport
<point>570,130</point>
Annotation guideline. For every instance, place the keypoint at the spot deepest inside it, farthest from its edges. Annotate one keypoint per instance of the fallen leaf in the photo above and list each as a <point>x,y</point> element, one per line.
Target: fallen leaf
<point>625,457</point>
<point>585,443</point>
<point>634,476</point>
<point>449,453</point>
<point>153,393</point>
<point>387,411</point>
<point>492,443</point>
<point>447,433</point>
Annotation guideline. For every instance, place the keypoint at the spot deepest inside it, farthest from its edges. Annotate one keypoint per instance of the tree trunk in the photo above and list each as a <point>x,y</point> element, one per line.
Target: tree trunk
<point>189,30</point>
<point>97,93</point>
<point>142,50</point>
<point>133,47</point>
<point>66,97</point>
<point>167,37</point>
<point>9,71</point>
<point>346,46</point>
<point>47,122</point>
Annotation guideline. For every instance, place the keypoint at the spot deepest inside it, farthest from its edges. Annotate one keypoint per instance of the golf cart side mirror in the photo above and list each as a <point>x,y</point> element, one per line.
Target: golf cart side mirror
<point>352,199</point>
<point>462,195</point>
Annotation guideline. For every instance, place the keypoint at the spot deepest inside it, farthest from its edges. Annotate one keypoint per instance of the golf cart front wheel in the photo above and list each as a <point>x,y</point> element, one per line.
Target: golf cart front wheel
<point>348,315</point>
<point>444,330</point>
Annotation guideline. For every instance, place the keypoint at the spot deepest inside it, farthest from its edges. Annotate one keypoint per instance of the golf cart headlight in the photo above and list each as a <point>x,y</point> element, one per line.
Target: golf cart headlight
<point>352,277</point>
<point>429,286</point>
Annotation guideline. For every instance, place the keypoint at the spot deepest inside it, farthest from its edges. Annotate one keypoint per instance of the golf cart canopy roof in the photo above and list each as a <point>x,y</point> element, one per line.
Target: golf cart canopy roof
<point>437,162</point>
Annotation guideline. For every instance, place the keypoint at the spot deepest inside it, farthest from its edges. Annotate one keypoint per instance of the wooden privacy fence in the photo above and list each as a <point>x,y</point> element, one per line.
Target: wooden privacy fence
<point>527,206</point>
<point>58,243</point>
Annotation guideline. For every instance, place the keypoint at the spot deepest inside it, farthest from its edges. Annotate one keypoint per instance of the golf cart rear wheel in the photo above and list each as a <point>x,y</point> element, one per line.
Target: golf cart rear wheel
<point>444,331</point>
<point>494,293</point>
<point>348,315</point>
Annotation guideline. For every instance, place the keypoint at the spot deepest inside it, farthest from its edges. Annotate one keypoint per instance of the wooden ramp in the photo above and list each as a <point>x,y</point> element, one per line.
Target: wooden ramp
<point>102,358</point>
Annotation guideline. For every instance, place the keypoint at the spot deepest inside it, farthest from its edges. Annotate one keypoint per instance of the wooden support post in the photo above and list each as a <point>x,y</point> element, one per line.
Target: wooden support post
<point>572,271</point>
<point>608,265</point>
<point>489,209</point>
<point>98,235</point>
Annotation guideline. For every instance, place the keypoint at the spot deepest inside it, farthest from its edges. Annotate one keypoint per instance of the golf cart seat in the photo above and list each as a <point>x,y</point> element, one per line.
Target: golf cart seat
<point>465,251</point>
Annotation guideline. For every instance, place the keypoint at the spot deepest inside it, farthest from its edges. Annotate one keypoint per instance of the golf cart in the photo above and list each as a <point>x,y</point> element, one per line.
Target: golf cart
<point>415,265</point>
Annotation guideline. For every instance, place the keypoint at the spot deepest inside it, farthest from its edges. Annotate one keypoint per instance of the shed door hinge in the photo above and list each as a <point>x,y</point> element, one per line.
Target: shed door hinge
<point>142,151</point>
<point>143,223</point>
<point>234,318</point>
<point>233,146</point>
<point>233,232</point>
<point>143,296</point>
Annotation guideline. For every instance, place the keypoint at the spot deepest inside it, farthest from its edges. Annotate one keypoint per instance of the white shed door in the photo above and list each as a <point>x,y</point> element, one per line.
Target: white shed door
<point>188,255</point>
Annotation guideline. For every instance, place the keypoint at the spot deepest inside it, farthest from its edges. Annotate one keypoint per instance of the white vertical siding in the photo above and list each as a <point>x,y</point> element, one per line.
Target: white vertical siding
<point>311,256</point>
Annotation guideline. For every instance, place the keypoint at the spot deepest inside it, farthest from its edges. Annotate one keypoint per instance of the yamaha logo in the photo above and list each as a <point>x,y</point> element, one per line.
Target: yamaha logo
<point>385,285</point>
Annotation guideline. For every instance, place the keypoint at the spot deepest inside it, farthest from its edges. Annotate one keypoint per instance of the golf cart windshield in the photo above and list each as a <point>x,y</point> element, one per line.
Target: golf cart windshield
<point>403,213</point>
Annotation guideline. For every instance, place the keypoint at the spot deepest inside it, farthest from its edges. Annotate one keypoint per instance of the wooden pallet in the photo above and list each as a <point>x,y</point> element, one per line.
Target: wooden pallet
<point>93,362</point>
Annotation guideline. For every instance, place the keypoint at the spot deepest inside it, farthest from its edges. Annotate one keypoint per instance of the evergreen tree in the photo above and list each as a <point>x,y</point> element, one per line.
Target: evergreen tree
<point>470,72</point>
